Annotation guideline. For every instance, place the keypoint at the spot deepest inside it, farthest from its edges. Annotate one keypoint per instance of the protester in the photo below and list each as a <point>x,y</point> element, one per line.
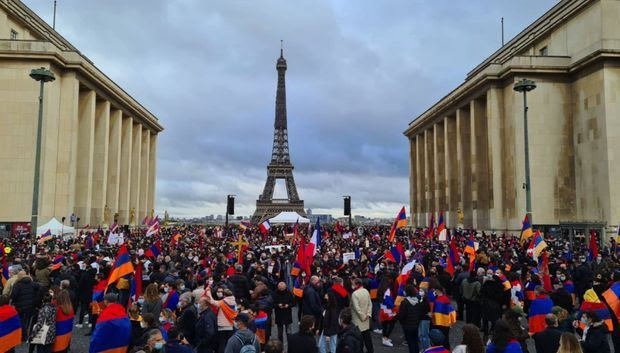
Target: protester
<point>303,341</point>
<point>594,338</point>
<point>361,308</point>
<point>206,328</point>
<point>243,336</point>
<point>409,317</point>
<point>503,340</point>
<point>283,302</point>
<point>569,344</point>
<point>548,341</point>
<point>44,329</point>
<point>349,337</point>
<point>471,342</point>
<point>437,340</point>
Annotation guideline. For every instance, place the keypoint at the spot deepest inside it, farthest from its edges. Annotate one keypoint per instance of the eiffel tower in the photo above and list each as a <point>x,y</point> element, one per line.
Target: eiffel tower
<point>280,166</point>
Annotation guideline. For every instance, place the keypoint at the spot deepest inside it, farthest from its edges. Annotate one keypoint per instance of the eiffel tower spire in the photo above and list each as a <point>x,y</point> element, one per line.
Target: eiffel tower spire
<point>280,166</point>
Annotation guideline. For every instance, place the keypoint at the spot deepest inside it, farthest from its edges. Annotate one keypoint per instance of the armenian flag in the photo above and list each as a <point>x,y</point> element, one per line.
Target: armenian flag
<point>57,263</point>
<point>45,237</point>
<point>453,257</point>
<point>393,255</point>
<point>64,327</point>
<point>298,288</point>
<point>537,245</point>
<point>122,266</point>
<point>591,302</point>
<point>441,228</point>
<point>374,288</point>
<point>612,297</point>
<point>437,349</point>
<point>4,275</point>
<point>505,282</point>
<point>296,269</point>
<point>470,250</point>
<point>526,229</point>
<point>399,222</point>
<point>260,322</point>
<point>154,250</point>
<point>10,328</point>
<point>245,225</point>
<point>443,314</point>
<point>229,311</point>
<point>97,298</point>
<point>539,307</point>
<point>387,309</point>
<point>112,332</point>
<point>172,300</point>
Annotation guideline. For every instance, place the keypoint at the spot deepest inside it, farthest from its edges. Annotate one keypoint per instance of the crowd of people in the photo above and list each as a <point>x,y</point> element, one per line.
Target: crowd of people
<point>191,288</point>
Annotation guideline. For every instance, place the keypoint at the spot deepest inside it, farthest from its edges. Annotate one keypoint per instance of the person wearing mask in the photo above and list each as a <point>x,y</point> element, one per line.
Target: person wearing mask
<point>443,314</point>
<point>503,340</point>
<point>548,341</point>
<point>471,342</point>
<point>409,317</point>
<point>283,303</point>
<point>152,301</point>
<point>155,342</point>
<point>23,298</point>
<point>470,287</point>
<point>243,336</point>
<point>513,319</point>
<point>349,337</point>
<point>312,301</point>
<point>186,321</point>
<point>361,308</point>
<point>303,341</point>
<point>176,343</point>
<point>569,344</point>
<point>240,284</point>
<point>424,327</point>
<point>331,327</point>
<point>226,305</point>
<point>206,328</point>
<point>565,322</point>
<point>594,338</point>
<point>47,317</point>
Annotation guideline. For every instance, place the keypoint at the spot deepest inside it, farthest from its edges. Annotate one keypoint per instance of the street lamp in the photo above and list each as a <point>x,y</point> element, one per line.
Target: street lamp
<point>42,75</point>
<point>525,86</point>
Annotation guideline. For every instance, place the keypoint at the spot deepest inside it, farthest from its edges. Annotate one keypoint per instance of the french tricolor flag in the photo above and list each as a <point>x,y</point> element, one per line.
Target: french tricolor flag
<point>315,241</point>
<point>264,227</point>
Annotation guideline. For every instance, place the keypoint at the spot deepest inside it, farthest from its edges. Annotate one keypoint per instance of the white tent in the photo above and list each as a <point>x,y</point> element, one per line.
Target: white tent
<point>288,217</point>
<point>55,227</point>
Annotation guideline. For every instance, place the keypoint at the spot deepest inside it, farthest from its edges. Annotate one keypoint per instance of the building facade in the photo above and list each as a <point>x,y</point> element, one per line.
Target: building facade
<point>467,150</point>
<point>99,145</point>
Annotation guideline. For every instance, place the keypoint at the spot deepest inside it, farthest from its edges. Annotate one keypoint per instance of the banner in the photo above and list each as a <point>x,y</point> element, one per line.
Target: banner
<point>348,256</point>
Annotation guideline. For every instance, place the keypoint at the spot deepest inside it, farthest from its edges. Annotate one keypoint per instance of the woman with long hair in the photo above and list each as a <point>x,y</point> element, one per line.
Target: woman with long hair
<point>472,341</point>
<point>45,317</point>
<point>569,344</point>
<point>64,321</point>
<point>503,340</point>
<point>152,301</point>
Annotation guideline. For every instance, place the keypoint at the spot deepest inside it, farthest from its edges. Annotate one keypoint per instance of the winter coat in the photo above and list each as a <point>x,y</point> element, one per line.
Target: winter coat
<point>312,301</point>
<point>47,316</point>
<point>361,307</point>
<point>240,286</point>
<point>284,316</point>
<point>596,339</point>
<point>42,277</point>
<point>85,285</point>
<point>153,307</point>
<point>302,343</point>
<point>470,288</point>
<point>330,321</point>
<point>176,347</point>
<point>206,330</point>
<point>24,294</point>
<point>492,294</point>
<point>240,339</point>
<point>409,313</point>
<point>548,341</point>
<point>187,323</point>
<point>350,340</point>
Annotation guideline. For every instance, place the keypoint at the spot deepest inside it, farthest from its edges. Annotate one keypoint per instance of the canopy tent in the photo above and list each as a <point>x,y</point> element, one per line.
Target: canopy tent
<point>55,227</point>
<point>288,217</point>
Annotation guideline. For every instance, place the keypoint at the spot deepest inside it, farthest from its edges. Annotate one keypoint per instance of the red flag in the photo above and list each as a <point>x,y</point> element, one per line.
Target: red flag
<point>339,228</point>
<point>546,276</point>
<point>138,278</point>
<point>301,255</point>
<point>431,226</point>
<point>593,251</point>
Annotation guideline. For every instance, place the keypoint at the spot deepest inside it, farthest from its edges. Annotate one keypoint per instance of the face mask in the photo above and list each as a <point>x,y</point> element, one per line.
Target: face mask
<point>162,320</point>
<point>142,324</point>
<point>236,326</point>
<point>182,288</point>
<point>179,305</point>
<point>562,278</point>
<point>584,321</point>
<point>141,301</point>
<point>219,295</point>
<point>166,289</point>
<point>159,345</point>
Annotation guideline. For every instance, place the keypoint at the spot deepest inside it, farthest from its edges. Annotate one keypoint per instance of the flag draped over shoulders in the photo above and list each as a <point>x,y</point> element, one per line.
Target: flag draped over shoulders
<point>112,332</point>
<point>10,328</point>
<point>64,328</point>
<point>539,308</point>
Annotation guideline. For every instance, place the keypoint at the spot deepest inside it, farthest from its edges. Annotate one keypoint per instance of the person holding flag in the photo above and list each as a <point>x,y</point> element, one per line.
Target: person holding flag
<point>399,222</point>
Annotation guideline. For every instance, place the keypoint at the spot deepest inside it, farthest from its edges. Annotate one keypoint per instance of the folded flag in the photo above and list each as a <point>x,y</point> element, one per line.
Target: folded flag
<point>399,222</point>
<point>539,308</point>
<point>387,309</point>
<point>64,327</point>
<point>10,328</point>
<point>591,302</point>
<point>612,297</point>
<point>122,266</point>
<point>264,227</point>
<point>260,322</point>
<point>296,269</point>
<point>112,332</point>
<point>443,314</point>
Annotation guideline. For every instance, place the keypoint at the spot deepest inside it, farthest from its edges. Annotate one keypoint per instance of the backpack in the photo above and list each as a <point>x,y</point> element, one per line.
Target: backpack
<point>245,347</point>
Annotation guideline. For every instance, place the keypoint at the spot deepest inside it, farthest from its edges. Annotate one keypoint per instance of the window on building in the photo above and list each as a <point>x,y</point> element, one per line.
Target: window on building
<point>13,34</point>
<point>543,51</point>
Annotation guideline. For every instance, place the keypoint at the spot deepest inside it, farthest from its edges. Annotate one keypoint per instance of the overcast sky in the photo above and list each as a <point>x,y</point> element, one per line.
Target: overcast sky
<point>358,72</point>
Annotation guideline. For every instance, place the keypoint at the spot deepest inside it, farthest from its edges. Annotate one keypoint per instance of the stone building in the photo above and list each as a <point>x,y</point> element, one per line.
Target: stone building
<point>99,144</point>
<point>467,150</point>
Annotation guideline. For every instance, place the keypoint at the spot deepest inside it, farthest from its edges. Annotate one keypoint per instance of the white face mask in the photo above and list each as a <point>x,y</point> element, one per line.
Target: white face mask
<point>142,324</point>
<point>166,289</point>
<point>182,288</point>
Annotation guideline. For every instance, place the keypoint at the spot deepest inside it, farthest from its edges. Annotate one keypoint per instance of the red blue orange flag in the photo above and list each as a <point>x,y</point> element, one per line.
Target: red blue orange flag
<point>443,313</point>
<point>260,322</point>
<point>536,246</point>
<point>441,228</point>
<point>112,332</point>
<point>612,297</point>
<point>539,308</point>
<point>591,302</point>
<point>10,328</point>
<point>122,265</point>
<point>64,327</point>
<point>154,250</point>
<point>526,229</point>
<point>399,222</point>
<point>453,257</point>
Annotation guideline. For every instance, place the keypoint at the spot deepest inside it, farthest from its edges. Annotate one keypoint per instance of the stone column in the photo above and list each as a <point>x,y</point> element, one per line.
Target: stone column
<point>114,162</point>
<point>152,172</point>
<point>86,139</point>
<point>464,162</point>
<point>136,168</point>
<point>480,171</point>
<point>100,158</point>
<point>144,173</point>
<point>440,167</point>
<point>419,147</point>
<point>495,106</point>
<point>452,171</point>
<point>125,170</point>
<point>412,184</point>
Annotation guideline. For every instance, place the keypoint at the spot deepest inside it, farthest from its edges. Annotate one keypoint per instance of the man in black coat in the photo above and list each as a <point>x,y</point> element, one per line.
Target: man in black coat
<point>23,297</point>
<point>349,338</point>
<point>582,278</point>
<point>303,341</point>
<point>548,341</point>
<point>85,293</point>
<point>206,328</point>
<point>312,301</point>
<point>240,284</point>
<point>187,319</point>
